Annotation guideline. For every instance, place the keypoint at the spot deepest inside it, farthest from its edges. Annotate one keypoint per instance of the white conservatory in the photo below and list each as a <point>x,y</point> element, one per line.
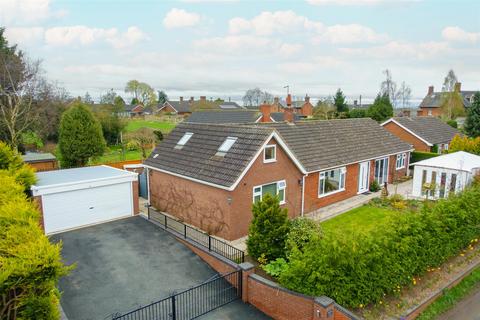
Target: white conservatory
<point>446,173</point>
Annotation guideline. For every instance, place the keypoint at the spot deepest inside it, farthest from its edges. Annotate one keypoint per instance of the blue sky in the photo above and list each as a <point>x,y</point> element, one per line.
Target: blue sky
<point>222,48</point>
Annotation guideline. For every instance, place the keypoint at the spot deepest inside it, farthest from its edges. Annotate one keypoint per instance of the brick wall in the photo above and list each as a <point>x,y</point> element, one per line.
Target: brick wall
<point>136,205</point>
<point>435,112</point>
<point>44,165</point>
<point>406,136</point>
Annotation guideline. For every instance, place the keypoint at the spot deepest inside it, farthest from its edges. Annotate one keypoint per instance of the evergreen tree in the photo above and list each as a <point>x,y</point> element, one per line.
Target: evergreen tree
<point>339,101</point>
<point>80,136</point>
<point>381,109</point>
<point>472,123</point>
<point>268,230</point>
<point>162,97</point>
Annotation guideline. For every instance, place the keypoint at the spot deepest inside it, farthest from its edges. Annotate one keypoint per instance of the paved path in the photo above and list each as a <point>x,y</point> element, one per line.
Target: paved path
<point>466,309</point>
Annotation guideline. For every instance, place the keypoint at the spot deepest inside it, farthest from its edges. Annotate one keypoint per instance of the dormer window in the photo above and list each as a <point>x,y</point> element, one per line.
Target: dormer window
<point>226,145</point>
<point>183,140</point>
<point>270,153</point>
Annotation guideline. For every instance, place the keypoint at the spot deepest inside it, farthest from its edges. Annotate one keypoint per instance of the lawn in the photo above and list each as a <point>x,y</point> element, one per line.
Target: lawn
<point>135,124</point>
<point>115,155</point>
<point>364,218</point>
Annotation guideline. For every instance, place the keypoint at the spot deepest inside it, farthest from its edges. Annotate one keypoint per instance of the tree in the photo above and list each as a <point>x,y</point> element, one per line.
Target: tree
<point>472,123</point>
<point>255,97</point>
<point>142,92</point>
<point>381,109</point>
<point>109,97</point>
<point>449,81</point>
<point>452,105</point>
<point>268,230</point>
<point>112,124</point>
<point>388,87</point>
<point>324,109</point>
<point>339,101</point>
<point>12,162</point>
<point>144,138</point>
<point>80,136</point>
<point>357,113</point>
<point>404,95</point>
<point>87,98</point>
<point>162,97</point>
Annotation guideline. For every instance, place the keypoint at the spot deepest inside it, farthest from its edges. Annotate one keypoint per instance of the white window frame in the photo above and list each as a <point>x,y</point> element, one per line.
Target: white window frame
<point>227,144</point>
<point>274,146</point>
<point>402,157</point>
<point>321,176</point>
<point>183,140</point>
<point>259,193</point>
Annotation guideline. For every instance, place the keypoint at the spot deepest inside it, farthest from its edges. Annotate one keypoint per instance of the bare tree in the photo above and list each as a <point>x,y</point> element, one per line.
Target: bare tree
<point>449,81</point>
<point>389,87</point>
<point>404,95</point>
<point>255,97</point>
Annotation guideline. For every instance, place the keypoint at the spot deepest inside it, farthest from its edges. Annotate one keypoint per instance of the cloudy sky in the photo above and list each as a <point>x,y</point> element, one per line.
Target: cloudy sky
<point>222,48</point>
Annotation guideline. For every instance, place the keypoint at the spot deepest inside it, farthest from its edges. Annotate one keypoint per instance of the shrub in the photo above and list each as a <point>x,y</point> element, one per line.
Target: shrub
<point>419,156</point>
<point>360,268</point>
<point>12,162</point>
<point>30,265</point>
<point>302,231</point>
<point>268,230</point>
<point>374,186</point>
<point>452,123</point>
<point>158,134</point>
<point>276,267</point>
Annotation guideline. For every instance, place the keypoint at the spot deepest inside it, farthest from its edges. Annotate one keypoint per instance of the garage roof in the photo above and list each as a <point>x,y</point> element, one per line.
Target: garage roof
<point>77,176</point>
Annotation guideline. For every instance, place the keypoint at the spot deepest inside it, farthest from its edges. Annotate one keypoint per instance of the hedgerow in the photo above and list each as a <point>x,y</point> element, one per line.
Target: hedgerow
<point>357,268</point>
<point>30,265</point>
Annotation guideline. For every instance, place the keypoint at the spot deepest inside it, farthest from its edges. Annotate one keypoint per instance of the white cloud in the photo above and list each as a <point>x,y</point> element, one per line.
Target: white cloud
<point>268,23</point>
<point>349,33</point>
<point>289,49</point>
<point>345,2</point>
<point>235,44</point>
<point>457,34</point>
<point>26,11</point>
<point>401,50</point>
<point>83,35</point>
<point>179,18</point>
<point>24,36</point>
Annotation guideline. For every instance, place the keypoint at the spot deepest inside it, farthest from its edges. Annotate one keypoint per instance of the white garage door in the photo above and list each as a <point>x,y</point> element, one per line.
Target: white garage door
<point>73,209</point>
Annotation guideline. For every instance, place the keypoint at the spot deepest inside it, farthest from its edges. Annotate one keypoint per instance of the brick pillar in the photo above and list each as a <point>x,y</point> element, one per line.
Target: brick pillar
<point>323,308</point>
<point>247,269</point>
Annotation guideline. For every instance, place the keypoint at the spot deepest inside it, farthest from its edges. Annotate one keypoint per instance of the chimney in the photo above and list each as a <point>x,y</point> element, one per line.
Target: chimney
<point>191,99</point>
<point>181,99</point>
<point>430,90</point>
<point>355,102</point>
<point>203,98</point>
<point>266,110</point>
<point>307,99</point>
<point>288,113</point>
<point>458,86</point>
<point>289,100</point>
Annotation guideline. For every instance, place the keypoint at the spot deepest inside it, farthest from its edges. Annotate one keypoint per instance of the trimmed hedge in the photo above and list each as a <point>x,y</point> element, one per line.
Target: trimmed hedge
<point>419,156</point>
<point>357,269</point>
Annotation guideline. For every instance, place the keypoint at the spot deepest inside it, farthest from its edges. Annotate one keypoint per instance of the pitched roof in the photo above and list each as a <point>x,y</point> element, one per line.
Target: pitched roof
<point>130,107</point>
<point>430,129</point>
<point>230,105</point>
<point>279,116</point>
<point>180,106</point>
<point>197,158</point>
<point>434,100</point>
<point>224,117</point>
<point>325,144</point>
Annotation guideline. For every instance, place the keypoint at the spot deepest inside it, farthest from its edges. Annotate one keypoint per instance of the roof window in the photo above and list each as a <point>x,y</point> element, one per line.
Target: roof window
<point>183,140</point>
<point>226,145</point>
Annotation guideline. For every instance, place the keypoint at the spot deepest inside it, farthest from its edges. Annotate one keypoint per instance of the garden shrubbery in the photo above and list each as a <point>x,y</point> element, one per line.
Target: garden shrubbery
<point>30,265</point>
<point>361,268</point>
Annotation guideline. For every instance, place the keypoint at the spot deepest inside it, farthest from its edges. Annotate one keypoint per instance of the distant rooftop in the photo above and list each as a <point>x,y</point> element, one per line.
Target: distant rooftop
<point>37,157</point>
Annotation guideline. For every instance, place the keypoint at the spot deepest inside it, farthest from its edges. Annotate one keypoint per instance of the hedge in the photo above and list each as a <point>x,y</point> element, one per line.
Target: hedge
<point>419,156</point>
<point>357,269</point>
<point>30,265</point>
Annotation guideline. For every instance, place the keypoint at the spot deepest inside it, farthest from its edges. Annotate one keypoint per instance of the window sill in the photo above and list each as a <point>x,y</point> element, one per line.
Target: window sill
<point>270,161</point>
<point>330,193</point>
<point>400,168</point>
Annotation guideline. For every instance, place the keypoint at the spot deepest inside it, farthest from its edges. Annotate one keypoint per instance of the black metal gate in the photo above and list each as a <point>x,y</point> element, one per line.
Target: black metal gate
<point>191,303</point>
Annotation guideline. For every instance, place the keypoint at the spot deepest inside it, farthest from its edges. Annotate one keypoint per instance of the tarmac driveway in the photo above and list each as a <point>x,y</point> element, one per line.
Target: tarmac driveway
<point>126,263</point>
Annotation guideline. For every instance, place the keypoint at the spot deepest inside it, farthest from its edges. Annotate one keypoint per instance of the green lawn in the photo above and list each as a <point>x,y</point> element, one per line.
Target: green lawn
<point>364,218</point>
<point>115,155</point>
<point>135,124</point>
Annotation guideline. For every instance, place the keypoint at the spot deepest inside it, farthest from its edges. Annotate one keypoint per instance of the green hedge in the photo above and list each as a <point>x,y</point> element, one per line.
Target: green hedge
<point>357,269</point>
<point>419,156</point>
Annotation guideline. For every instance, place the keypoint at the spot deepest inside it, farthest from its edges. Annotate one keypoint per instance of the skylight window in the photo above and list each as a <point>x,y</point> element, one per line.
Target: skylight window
<point>226,145</point>
<point>183,140</point>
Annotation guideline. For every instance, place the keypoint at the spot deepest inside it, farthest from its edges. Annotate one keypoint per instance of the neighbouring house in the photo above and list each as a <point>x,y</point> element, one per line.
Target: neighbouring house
<point>228,105</point>
<point>240,117</point>
<point>431,104</point>
<point>427,134</point>
<point>74,198</point>
<point>445,174</point>
<point>41,161</point>
<point>186,107</point>
<point>208,175</point>
<point>131,111</point>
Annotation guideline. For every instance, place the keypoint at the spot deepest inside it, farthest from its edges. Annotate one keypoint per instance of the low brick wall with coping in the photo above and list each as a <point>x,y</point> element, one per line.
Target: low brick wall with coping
<point>268,296</point>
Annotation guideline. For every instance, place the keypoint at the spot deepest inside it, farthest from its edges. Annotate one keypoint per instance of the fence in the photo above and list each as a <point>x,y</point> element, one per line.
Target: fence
<point>211,243</point>
<point>191,303</point>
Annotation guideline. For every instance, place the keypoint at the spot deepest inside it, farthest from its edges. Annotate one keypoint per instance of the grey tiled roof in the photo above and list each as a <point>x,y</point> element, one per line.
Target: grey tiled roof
<point>279,116</point>
<point>430,129</point>
<point>330,143</point>
<point>230,105</point>
<point>434,100</point>
<point>37,157</point>
<point>197,159</point>
<point>181,106</point>
<point>224,117</point>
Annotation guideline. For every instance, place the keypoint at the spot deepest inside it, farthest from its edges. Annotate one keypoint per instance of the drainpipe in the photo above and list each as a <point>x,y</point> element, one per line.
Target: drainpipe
<point>148,184</point>
<point>303,194</point>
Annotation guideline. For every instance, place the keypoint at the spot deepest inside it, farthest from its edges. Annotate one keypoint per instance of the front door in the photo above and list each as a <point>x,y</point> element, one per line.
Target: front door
<point>363,176</point>
<point>381,171</point>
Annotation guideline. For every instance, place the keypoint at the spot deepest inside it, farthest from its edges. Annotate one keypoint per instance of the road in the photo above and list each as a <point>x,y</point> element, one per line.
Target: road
<point>466,309</point>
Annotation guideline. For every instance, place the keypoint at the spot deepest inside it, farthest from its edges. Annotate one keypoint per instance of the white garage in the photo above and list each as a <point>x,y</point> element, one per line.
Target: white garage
<point>73,198</point>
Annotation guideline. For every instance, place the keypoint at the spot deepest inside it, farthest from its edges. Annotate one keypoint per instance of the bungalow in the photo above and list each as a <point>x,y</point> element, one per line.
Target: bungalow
<point>209,175</point>
<point>132,110</point>
<point>431,104</point>
<point>428,134</point>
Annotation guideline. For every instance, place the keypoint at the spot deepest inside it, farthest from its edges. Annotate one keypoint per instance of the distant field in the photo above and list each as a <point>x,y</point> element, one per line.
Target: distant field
<point>115,155</point>
<point>134,125</point>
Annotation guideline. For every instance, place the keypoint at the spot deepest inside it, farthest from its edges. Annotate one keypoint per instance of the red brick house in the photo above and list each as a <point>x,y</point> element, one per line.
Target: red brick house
<point>209,175</point>
<point>424,133</point>
<point>431,104</point>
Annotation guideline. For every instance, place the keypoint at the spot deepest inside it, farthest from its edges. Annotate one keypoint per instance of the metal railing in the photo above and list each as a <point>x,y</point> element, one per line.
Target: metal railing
<point>191,303</point>
<point>205,240</point>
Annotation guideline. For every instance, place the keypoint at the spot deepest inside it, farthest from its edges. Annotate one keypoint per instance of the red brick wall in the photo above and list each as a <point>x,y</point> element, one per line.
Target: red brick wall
<point>136,206</point>
<point>436,112</point>
<point>406,136</point>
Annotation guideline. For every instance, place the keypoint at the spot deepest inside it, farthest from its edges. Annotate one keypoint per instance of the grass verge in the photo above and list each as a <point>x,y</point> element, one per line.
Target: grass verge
<point>452,296</point>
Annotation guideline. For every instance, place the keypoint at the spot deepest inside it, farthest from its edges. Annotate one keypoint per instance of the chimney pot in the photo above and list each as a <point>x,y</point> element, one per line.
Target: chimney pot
<point>458,87</point>
<point>181,99</point>
<point>191,99</point>
<point>307,98</point>
<point>430,90</point>
<point>289,100</point>
<point>203,98</point>
<point>266,111</point>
